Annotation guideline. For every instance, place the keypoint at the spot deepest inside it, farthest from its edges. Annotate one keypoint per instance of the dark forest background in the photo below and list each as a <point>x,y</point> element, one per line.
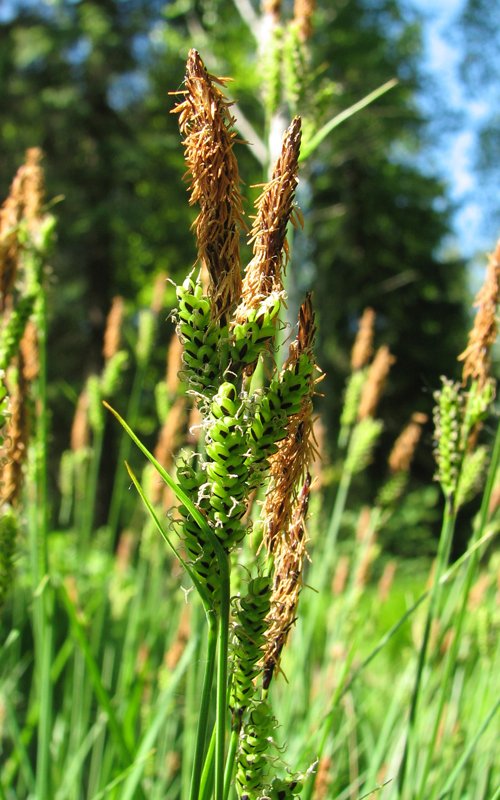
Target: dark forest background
<point>89,82</point>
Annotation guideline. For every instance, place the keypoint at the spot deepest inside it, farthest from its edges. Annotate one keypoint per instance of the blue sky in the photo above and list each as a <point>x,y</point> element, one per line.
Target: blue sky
<point>454,156</point>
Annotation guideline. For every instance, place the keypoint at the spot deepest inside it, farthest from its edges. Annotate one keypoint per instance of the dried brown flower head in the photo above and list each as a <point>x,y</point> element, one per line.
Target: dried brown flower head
<point>288,564</point>
<point>113,329</point>
<point>174,365</point>
<point>297,450</point>
<point>375,382</point>
<point>363,344</point>
<point>29,350</point>
<point>206,122</point>
<point>80,429</point>
<point>404,447</point>
<point>25,201</point>
<point>272,8</point>
<point>264,273</point>
<point>302,15</point>
<point>477,354</point>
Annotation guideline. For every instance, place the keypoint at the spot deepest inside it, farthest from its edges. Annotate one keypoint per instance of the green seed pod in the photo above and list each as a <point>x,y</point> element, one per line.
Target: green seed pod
<point>471,476</point>
<point>252,610</point>
<point>448,435</point>
<point>250,339</point>
<point>200,336</point>
<point>112,374</point>
<point>8,536</point>
<point>294,68</point>
<point>12,333</point>
<point>95,408</point>
<point>145,335</point>
<point>271,71</point>
<point>392,490</point>
<point>362,443</point>
<point>352,397</point>
<point>253,759</point>
<point>477,402</point>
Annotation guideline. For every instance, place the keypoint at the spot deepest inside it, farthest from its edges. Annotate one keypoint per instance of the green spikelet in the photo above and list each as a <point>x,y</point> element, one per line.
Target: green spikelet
<point>449,435</point>
<point>96,419</point>
<point>200,336</point>
<point>363,440</point>
<point>253,759</point>
<point>475,408</point>
<point>145,336</point>
<point>271,71</point>
<point>392,490</point>
<point>111,376</point>
<point>8,535</point>
<point>294,69</point>
<point>4,407</point>
<point>12,333</point>
<point>352,397</point>
<point>471,476</point>
<point>283,399</point>
<point>252,610</point>
<point>250,338</point>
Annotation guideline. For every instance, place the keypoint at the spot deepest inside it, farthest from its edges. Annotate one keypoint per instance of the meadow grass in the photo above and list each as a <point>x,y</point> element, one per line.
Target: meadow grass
<point>160,667</point>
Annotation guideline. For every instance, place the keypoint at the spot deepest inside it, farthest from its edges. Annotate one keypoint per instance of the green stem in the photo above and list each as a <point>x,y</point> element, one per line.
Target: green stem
<point>206,784</point>
<point>443,554</point>
<point>205,705</point>
<point>120,481</point>
<point>459,619</point>
<point>231,755</point>
<point>91,491</point>
<point>44,598</point>
<point>222,674</point>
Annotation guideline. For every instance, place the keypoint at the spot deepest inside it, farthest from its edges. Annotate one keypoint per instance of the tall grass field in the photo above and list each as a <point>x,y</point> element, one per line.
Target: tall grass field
<point>236,628</point>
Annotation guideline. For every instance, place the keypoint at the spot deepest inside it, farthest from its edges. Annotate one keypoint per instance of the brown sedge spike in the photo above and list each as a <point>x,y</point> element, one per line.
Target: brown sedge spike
<point>363,344</point>
<point>264,273</point>
<point>375,382</point>
<point>113,330</point>
<point>206,122</point>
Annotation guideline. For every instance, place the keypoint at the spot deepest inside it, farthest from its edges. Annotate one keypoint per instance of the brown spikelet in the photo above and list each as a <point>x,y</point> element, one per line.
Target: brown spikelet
<point>11,214</point>
<point>323,779</point>
<point>33,187</point>
<point>174,364</point>
<point>124,551</point>
<point>477,354</point>
<point>288,564</point>
<point>80,429</point>
<point>340,575</point>
<point>264,273</point>
<point>375,382</point>
<point>363,344</point>
<point>158,296</point>
<point>405,445</point>
<point>14,450</point>
<point>29,350</point>
<point>206,122</point>
<point>113,330</point>
<point>302,15</point>
<point>386,580</point>
<point>170,434</point>
<point>297,450</point>
<point>272,8</point>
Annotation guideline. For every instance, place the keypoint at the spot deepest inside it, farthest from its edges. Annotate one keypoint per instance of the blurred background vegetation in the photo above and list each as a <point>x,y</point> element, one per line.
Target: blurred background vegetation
<point>89,81</point>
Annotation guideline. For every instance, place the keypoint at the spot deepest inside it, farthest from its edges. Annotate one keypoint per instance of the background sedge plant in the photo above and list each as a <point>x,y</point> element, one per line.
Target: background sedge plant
<point>256,431</point>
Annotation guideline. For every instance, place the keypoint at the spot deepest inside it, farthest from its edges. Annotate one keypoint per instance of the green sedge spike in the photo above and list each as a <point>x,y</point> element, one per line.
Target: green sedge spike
<point>294,68</point>
<point>471,475</point>
<point>251,337</point>
<point>201,338</point>
<point>352,397</point>
<point>251,624</point>
<point>112,374</point>
<point>8,536</point>
<point>363,440</point>
<point>253,760</point>
<point>448,435</point>
<point>11,335</point>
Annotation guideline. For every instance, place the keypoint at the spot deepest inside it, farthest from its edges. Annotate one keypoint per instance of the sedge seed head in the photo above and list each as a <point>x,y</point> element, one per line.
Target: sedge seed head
<point>363,344</point>
<point>206,124</point>
<point>374,386</point>
<point>477,354</point>
<point>264,273</point>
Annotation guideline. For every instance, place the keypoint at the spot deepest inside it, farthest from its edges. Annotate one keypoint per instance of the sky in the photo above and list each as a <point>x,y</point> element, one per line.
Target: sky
<point>454,155</point>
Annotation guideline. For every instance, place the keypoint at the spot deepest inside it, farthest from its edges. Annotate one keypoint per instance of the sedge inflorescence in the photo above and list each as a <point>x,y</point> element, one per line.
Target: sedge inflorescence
<point>256,431</point>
